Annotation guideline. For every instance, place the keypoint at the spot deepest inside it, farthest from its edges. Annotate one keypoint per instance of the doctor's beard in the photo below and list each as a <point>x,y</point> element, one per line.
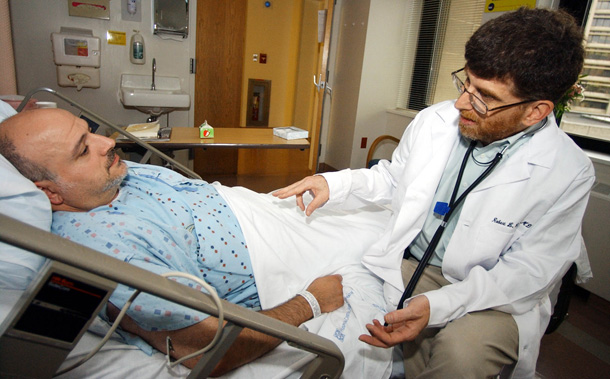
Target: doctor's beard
<point>489,128</point>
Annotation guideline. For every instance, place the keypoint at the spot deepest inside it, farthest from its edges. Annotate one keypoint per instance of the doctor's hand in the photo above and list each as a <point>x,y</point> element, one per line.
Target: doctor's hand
<point>316,185</point>
<point>403,324</point>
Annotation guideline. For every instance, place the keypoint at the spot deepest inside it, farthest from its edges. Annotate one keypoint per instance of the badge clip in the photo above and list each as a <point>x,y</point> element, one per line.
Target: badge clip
<point>441,208</point>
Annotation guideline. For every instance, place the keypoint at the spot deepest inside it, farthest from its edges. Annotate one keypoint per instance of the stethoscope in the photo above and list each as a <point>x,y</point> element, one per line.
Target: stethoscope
<point>446,210</point>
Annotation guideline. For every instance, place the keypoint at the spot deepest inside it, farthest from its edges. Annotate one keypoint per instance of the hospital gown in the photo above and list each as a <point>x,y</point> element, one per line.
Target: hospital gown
<point>162,222</point>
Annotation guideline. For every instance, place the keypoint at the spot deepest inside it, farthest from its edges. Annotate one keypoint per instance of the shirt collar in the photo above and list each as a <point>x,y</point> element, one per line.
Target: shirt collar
<point>498,145</point>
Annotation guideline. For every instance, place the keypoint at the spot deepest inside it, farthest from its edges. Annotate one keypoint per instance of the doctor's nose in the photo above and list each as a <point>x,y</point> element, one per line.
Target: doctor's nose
<point>463,102</point>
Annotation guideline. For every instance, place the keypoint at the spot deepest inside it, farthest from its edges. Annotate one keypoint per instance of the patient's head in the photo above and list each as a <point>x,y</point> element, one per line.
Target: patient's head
<point>53,148</point>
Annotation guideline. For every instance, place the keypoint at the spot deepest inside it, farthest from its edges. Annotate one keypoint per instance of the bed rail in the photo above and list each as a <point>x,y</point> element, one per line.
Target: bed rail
<point>329,362</point>
<point>151,150</point>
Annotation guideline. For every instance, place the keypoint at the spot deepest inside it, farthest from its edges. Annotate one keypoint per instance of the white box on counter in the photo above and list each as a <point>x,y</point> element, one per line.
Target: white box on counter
<point>290,132</point>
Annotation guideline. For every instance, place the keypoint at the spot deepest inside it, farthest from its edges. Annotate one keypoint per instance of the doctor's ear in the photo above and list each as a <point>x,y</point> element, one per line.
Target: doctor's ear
<point>537,111</point>
<point>51,190</point>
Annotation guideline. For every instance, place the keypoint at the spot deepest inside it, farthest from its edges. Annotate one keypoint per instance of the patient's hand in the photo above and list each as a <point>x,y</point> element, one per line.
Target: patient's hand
<point>318,187</point>
<point>328,290</point>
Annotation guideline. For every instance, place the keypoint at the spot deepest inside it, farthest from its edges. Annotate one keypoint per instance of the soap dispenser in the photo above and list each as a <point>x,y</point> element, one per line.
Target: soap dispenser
<point>137,54</point>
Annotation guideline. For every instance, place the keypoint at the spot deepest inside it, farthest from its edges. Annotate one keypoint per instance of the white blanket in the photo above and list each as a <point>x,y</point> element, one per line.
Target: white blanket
<point>288,251</point>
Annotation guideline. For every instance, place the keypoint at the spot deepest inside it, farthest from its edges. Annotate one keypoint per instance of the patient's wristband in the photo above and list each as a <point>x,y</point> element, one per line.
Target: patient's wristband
<point>313,303</point>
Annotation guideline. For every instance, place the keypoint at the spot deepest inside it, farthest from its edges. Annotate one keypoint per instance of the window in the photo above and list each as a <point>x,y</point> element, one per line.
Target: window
<point>597,60</point>
<point>435,34</point>
<point>588,122</point>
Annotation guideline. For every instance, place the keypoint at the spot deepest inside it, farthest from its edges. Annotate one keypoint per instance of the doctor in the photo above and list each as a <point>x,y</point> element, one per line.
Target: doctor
<point>503,189</point>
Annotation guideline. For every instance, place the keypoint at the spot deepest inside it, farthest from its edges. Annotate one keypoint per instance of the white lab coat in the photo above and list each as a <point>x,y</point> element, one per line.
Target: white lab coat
<point>517,234</point>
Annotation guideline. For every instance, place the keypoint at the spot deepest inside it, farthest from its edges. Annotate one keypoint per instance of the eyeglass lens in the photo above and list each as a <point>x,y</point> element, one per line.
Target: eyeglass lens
<point>476,103</point>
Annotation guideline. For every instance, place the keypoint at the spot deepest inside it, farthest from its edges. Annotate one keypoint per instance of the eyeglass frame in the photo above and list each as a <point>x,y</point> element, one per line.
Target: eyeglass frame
<point>461,87</point>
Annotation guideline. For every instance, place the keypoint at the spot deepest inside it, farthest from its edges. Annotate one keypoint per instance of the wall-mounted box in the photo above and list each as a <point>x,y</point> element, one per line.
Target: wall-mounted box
<point>171,17</point>
<point>77,47</point>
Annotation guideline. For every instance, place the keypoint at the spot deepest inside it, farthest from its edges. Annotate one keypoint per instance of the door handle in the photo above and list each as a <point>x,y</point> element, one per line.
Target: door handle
<point>320,85</point>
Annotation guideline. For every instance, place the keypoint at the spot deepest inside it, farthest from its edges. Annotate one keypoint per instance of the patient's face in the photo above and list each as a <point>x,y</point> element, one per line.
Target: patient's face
<point>88,171</point>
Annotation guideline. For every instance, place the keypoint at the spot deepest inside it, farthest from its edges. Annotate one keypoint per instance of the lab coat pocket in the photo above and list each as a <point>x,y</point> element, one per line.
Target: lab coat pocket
<point>491,241</point>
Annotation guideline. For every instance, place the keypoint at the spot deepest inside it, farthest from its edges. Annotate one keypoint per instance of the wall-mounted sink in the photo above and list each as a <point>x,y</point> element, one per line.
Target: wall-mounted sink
<point>135,91</point>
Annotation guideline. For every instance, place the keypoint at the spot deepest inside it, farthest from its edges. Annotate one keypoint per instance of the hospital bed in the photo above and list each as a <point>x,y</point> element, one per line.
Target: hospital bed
<point>316,357</point>
<point>328,363</point>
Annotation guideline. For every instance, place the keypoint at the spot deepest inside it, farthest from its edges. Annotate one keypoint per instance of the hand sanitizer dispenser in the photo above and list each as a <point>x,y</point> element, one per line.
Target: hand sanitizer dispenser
<point>76,53</point>
<point>137,54</point>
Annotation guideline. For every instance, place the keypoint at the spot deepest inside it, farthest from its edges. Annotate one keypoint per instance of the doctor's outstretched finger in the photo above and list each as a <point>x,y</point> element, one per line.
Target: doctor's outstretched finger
<point>316,185</point>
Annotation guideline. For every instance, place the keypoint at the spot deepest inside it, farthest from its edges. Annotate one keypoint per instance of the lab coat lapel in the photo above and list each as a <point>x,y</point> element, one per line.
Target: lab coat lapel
<point>414,195</point>
<point>513,170</point>
<point>537,151</point>
<point>435,147</point>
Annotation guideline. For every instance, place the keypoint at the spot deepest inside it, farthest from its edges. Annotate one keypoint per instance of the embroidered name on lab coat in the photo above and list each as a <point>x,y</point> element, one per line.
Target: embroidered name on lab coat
<point>511,225</point>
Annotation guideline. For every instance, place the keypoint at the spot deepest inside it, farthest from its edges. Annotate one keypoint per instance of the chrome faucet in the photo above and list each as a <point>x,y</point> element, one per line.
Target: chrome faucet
<point>154,69</point>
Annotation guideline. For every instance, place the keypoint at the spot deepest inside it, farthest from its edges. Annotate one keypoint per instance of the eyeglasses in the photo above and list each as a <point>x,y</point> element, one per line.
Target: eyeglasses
<point>476,102</point>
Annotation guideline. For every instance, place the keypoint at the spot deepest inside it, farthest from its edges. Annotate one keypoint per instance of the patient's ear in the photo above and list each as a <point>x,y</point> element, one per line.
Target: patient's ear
<point>51,190</point>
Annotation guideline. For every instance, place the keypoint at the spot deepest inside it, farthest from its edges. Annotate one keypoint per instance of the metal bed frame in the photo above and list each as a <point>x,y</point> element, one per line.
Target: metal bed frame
<point>329,361</point>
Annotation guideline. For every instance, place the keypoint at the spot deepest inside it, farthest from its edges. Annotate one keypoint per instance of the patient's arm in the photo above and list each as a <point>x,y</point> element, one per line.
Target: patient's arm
<point>250,344</point>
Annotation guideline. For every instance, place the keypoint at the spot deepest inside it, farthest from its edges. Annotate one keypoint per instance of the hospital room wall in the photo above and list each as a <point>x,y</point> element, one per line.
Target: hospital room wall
<point>33,21</point>
<point>365,67</point>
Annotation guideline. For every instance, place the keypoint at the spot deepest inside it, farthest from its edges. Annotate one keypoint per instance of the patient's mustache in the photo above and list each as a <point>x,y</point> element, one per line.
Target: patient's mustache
<point>110,155</point>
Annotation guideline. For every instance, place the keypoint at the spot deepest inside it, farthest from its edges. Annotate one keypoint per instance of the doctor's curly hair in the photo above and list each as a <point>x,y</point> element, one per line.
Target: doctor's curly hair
<point>540,50</point>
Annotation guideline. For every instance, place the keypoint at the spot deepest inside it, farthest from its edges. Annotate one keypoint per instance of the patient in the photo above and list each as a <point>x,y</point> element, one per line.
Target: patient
<point>158,220</point>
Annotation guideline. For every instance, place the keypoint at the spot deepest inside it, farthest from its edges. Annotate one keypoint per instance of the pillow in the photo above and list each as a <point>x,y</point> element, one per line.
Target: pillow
<point>21,200</point>
<point>6,110</point>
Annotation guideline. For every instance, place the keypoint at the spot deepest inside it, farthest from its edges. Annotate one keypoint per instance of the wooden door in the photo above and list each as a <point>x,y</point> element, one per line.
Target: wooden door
<point>221,28</point>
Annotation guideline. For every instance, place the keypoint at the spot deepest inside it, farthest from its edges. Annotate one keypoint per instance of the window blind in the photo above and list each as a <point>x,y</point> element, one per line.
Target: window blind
<point>434,36</point>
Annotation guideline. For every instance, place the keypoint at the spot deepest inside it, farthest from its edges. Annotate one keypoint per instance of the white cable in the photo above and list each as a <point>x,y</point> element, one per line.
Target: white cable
<point>114,326</point>
<point>214,295</point>
<point>117,321</point>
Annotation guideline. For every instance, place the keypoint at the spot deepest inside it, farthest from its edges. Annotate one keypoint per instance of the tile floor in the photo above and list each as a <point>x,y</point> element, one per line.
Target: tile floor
<point>580,348</point>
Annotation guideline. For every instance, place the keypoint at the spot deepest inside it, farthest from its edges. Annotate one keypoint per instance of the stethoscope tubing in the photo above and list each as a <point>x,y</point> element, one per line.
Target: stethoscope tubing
<point>452,206</point>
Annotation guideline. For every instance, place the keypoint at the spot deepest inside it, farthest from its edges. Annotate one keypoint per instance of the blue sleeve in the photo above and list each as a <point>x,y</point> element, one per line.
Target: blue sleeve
<point>135,247</point>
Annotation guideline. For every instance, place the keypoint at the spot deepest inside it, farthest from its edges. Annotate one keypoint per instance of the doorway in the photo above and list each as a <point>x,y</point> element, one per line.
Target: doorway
<point>230,35</point>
